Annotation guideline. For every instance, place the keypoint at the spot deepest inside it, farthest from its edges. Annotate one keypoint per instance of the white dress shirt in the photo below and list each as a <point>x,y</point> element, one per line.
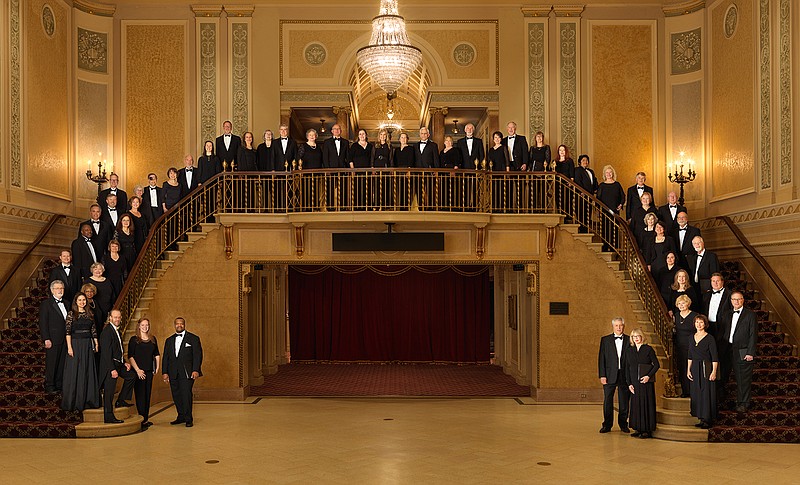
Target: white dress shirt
<point>697,268</point>
<point>469,145</point>
<point>178,342</point>
<point>227,140</point>
<point>511,147</point>
<point>619,342</point>
<point>153,196</point>
<point>713,304</point>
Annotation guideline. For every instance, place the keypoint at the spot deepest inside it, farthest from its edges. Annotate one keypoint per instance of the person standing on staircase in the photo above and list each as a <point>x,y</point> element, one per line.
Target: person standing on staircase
<point>52,329</point>
<point>611,367</point>
<point>740,333</point>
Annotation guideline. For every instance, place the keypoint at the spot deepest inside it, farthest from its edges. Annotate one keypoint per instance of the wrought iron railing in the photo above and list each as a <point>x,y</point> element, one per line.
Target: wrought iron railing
<point>398,189</point>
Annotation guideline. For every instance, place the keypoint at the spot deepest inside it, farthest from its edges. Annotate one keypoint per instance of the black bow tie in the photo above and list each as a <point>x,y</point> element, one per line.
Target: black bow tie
<point>227,136</point>
<point>282,139</point>
<point>469,138</point>
<point>87,238</point>
<point>639,187</point>
<point>618,338</point>
<point>716,292</point>
<point>673,207</point>
<point>189,170</point>
<point>152,187</point>
<point>179,334</point>
<point>337,139</point>
<point>512,137</point>
<point>682,229</point>
<point>58,301</point>
<point>96,222</point>
<point>423,142</point>
<point>112,209</point>
<point>736,311</point>
<point>66,267</point>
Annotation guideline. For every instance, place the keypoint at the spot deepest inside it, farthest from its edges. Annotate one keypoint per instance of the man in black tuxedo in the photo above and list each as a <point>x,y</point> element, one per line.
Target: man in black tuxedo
<point>611,368</point>
<point>112,366</point>
<point>702,264</point>
<point>585,176</point>
<point>84,252</point>
<point>68,274</point>
<point>635,192</point>
<point>334,149</point>
<point>122,197</point>
<point>740,331</point>
<point>53,331</point>
<point>684,235</point>
<point>227,146</point>
<point>716,305</point>
<point>111,214</point>
<point>151,198</point>
<point>102,231</point>
<point>668,213</point>
<point>187,177</point>
<point>426,152</point>
<point>182,360</point>
<point>517,148</point>
<point>471,148</point>
<point>286,150</point>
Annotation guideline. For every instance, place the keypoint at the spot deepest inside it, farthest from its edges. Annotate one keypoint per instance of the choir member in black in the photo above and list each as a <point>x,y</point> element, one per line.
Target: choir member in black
<point>247,157</point>
<point>145,359</point>
<point>635,192</point>
<point>208,164</point>
<point>682,336</point>
<point>683,239</point>
<point>181,366</point>
<point>90,291</point>
<point>286,151</point>
<point>739,332</point>
<point>658,249</point>
<point>646,234</point>
<point>703,366</point>
<point>669,212</point>
<point>171,190</point>
<point>471,148</point>
<point>102,230</point>
<point>81,389</point>
<point>517,149</point>
<point>138,191</point>
<point>382,152</point>
<point>152,199</point>
<point>334,149</point>
<point>360,155</point>
<point>587,180</point>
<point>702,264</point>
<point>681,285</point>
<point>665,276</point>
<point>141,227</point>
<point>104,296</point>
<point>228,146</point>
<point>426,152</point>
<point>381,182</point>
<point>113,189</point>
<point>115,266</point>
<point>126,235</point>
<point>68,274</point>
<point>564,165</point>
<point>309,152</point>
<point>610,193</point>
<point>450,157</point>
<point>717,305</point>
<point>404,158</point>
<point>187,176</point>
<point>539,156</point>
<point>52,318</point>
<point>612,372</point>
<point>645,207</point>
<point>498,161</point>
<point>113,366</point>
<point>642,365</point>
<point>266,153</point>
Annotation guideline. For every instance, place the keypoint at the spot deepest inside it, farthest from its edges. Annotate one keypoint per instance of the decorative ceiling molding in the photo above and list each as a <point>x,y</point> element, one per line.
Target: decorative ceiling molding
<point>207,10</point>
<point>239,10</point>
<point>537,10</point>
<point>568,10</point>
<point>95,8</point>
<point>683,8</point>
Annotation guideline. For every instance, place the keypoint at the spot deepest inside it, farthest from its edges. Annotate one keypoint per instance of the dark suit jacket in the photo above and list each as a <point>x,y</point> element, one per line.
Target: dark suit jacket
<point>687,248</point>
<point>331,159</point>
<point>607,359</point>
<point>207,167</point>
<point>520,153</point>
<point>185,186</point>
<point>583,180</point>
<point>122,198</point>
<point>744,337</point>
<point>155,212</point>
<point>227,155</point>
<point>52,324</point>
<point>189,359</point>
<point>478,152</point>
<point>665,215</point>
<point>725,306</point>
<point>428,157</point>
<point>82,258</point>
<point>283,158</point>
<point>634,200</point>
<point>72,283</point>
<point>99,238</point>
<point>106,216</point>
<point>709,264</point>
<point>110,353</point>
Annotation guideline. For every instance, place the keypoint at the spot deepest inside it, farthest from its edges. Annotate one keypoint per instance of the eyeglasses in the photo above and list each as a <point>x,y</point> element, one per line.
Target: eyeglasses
<point>737,299</point>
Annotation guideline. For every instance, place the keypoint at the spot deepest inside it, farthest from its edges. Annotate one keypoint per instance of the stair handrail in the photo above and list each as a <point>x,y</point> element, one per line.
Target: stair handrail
<point>43,232</point>
<point>771,274</point>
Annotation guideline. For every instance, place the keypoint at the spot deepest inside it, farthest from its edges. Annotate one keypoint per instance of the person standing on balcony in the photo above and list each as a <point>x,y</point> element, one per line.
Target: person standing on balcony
<point>471,148</point>
<point>426,154</point>
<point>517,148</point>
<point>539,156</point>
<point>208,164</point>
<point>611,365</point>
<point>335,149</point>
<point>228,146</point>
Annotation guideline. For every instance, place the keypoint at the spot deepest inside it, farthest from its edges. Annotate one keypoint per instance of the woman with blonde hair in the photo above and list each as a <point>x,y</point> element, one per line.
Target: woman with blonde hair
<point>611,194</point>
<point>641,367</point>
<point>682,336</point>
<point>681,285</point>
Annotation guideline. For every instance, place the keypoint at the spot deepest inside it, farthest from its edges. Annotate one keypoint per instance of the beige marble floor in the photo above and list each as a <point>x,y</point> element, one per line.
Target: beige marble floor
<point>389,441</point>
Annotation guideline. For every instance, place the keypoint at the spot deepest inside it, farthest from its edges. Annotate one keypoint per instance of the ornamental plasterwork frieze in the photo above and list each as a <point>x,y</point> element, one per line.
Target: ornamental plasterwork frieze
<point>208,80</point>
<point>92,51</point>
<point>315,54</point>
<point>464,54</point>
<point>48,21</point>
<point>315,96</point>
<point>95,8</point>
<point>683,8</point>
<point>239,92</point>
<point>786,90</point>
<point>765,51</point>
<point>568,78</point>
<point>16,100</point>
<point>441,98</point>
<point>686,48</point>
<point>536,72</point>
<point>730,21</point>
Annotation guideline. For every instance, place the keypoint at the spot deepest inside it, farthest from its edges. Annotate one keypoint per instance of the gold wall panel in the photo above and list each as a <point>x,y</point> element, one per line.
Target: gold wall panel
<point>622,99</point>
<point>91,133</point>
<point>444,39</point>
<point>335,43</point>
<point>732,111</point>
<point>155,84</point>
<point>266,242</point>
<point>47,90</point>
<point>687,134</point>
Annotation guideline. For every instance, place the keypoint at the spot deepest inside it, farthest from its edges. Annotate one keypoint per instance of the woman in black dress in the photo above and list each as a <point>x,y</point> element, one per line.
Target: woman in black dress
<point>247,157</point>
<point>404,154</point>
<point>539,154</point>
<point>642,365</point>
<point>646,235</point>
<point>498,154</point>
<point>208,164</point>
<point>266,153</point>
<point>309,153</point>
<point>104,296</point>
<point>404,158</point>
<point>681,286</point>
<point>141,226</point>
<point>170,190</point>
<point>499,162</point>
<point>115,266</point>
<point>381,182</point>
<point>665,275</point>
<point>125,233</point>
<point>682,336</point>
<point>661,245</point>
<point>359,156</point>
<point>637,219</point>
<point>89,290</point>
<point>145,360</point>
<point>702,367</point>
<point>610,193</point>
<point>450,157</point>
<point>80,389</point>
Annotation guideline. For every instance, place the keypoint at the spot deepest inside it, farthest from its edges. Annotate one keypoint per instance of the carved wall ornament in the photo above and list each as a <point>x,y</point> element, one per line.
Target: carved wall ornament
<point>785,54</point>
<point>240,91</point>
<point>208,80</point>
<point>48,21</point>
<point>686,47</point>
<point>92,51</point>
<point>731,20</point>
<point>765,59</point>
<point>16,93</point>
<point>315,54</point>
<point>536,74</point>
<point>464,54</point>
<point>568,77</point>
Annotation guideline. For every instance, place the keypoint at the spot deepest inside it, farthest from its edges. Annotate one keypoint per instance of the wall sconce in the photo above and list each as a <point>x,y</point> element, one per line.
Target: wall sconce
<point>100,178</point>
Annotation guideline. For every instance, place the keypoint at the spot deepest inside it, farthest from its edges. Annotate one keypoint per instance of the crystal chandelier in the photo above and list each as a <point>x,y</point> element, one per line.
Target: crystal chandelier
<point>389,58</point>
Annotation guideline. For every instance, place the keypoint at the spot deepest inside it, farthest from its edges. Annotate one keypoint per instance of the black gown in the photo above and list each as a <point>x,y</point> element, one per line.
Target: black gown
<point>450,158</point>
<point>140,230</point>
<point>311,156</point>
<point>360,156</point>
<point>683,338</point>
<point>539,158</point>
<point>656,256</point>
<point>247,160</point>
<point>103,299</point>
<point>144,354</point>
<point>170,194</point>
<point>404,157</point>
<point>81,389</point>
<point>612,196</point>
<point>702,391</point>
<point>498,158</point>
<point>116,272</point>
<point>127,249</point>
<point>643,400</point>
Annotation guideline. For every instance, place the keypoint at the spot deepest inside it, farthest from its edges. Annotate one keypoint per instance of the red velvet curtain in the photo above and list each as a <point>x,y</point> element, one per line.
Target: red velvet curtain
<point>389,313</point>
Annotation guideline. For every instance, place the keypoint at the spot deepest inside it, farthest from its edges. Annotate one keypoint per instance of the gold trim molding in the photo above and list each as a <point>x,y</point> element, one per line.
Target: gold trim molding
<point>207,10</point>
<point>683,8</point>
<point>537,11</point>
<point>95,8</point>
<point>239,10</point>
<point>568,10</point>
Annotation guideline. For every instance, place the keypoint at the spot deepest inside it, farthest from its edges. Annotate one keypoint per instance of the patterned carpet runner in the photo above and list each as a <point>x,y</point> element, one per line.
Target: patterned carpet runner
<point>25,410</point>
<point>774,416</point>
<point>391,379</point>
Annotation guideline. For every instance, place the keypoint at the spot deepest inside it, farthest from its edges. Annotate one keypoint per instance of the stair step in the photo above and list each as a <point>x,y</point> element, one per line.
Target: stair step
<point>675,418</point>
<point>17,429</point>
<point>207,227</point>
<point>759,418</point>
<point>674,403</point>
<point>184,245</point>
<point>173,255</point>
<point>132,424</point>
<point>164,264</point>
<point>680,433</point>
<point>755,434</point>
<point>96,415</point>
<point>34,414</point>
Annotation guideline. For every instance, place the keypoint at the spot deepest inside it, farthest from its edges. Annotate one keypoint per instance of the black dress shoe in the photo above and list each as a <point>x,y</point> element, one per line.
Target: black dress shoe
<point>644,436</point>
<point>121,404</point>
<point>741,409</point>
<point>177,421</point>
<point>625,429</point>
<point>113,421</point>
<point>189,424</point>
<point>705,426</point>
<point>604,429</point>
<point>636,434</point>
